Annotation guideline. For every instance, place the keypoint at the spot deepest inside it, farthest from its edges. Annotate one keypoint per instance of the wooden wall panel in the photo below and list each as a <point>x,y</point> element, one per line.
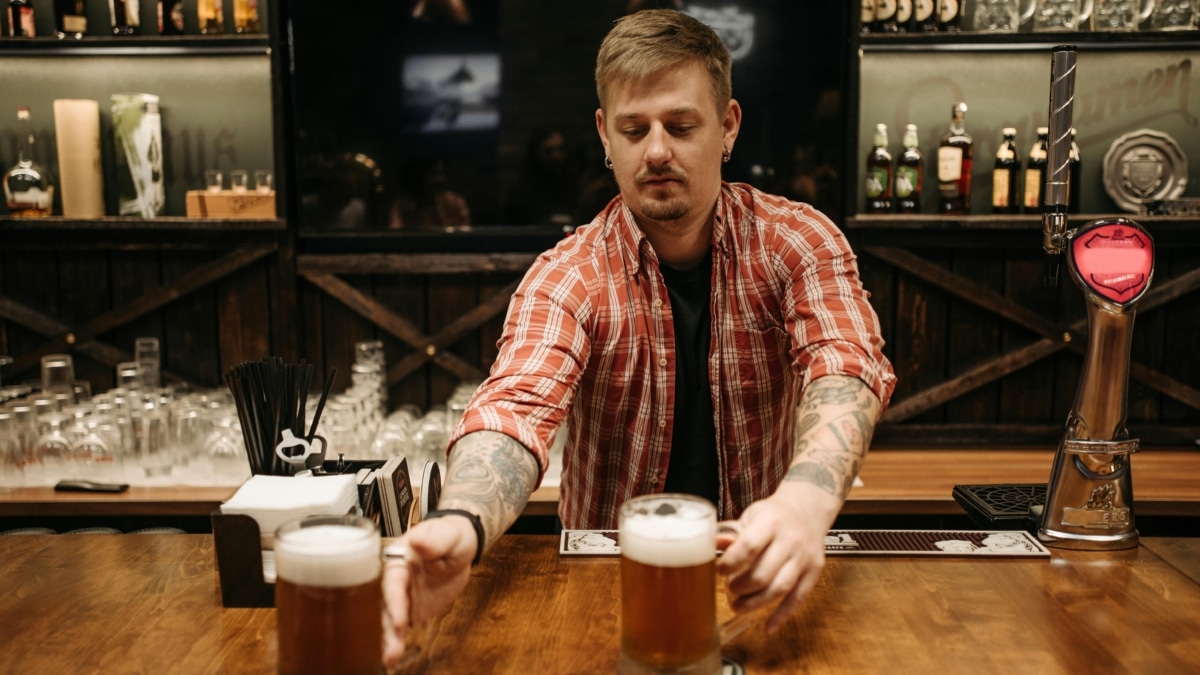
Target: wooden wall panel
<point>973,334</point>
<point>191,328</point>
<point>1181,337</point>
<point>133,273</point>
<point>83,290</point>
<point>243,316</point>
<point>1027,396</point>
<point>921,319</point>
<point>405,294</point>
<point>31,278</point>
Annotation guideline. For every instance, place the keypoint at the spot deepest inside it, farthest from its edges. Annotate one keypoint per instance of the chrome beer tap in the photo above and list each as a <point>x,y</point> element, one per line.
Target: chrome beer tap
<point>1089,499</point>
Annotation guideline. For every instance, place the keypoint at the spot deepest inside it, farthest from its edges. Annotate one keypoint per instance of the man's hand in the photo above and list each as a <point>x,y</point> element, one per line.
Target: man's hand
<point>435,569</point>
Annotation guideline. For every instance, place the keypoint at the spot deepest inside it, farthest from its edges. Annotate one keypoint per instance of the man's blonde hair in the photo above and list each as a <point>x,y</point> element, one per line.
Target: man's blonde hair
<point>650,41</point>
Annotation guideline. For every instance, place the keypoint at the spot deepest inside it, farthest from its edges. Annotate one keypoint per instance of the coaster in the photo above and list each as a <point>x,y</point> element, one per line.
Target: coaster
<point>588,543</point>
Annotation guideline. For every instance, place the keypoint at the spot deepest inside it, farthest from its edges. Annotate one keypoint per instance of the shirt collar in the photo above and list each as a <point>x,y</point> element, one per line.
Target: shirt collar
<point>633,240</point>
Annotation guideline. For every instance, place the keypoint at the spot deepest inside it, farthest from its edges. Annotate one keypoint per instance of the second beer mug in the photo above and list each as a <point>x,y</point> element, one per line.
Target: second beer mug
<point>1060,15</point>
<point>1174,14</point>
<point>1120,15</point>
<point>668,586</point>
<point>1001,16</point>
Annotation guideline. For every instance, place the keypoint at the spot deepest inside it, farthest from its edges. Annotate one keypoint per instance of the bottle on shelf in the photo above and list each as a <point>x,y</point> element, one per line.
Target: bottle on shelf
<point>1006,176</point>
<point>170,17</point>
<point>20,19</point>
<point>28,189</point>
<point>925,15</point>
<point>907,178</point>
<point>211,15</point>
<point>955,157</point>
<point>245,16</point>
<point>69,19</point>
<point>124,16</point>
<point>1073,168</point>
<point>885,17</point>
<point>949,15</point>
<point>879,174</point>
<point>1035,172</point>
<point>904,15</point>
<point>866,16</point>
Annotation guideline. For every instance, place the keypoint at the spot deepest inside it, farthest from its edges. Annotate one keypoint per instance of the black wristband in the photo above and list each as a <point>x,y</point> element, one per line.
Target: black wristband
<point>475,522</point>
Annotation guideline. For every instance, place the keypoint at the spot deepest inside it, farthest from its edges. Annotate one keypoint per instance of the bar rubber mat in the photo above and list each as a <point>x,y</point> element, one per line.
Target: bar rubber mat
<point>918,543</point>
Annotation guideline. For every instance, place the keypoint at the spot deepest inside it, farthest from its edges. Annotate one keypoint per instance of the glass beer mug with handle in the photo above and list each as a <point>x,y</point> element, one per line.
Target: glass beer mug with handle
<point>1060,15</point>
<point>1120,15</point>
<point>1001,16</point>
<point>669,587</point>
<point>1171,15</point>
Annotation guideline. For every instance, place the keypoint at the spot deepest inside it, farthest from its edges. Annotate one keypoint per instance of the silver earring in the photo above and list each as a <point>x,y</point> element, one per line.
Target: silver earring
<point>726,155</point>
<point>607,163</point>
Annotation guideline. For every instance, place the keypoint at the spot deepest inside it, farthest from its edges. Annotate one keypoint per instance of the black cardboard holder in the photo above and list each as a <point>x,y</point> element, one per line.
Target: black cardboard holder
<point>238,545</point>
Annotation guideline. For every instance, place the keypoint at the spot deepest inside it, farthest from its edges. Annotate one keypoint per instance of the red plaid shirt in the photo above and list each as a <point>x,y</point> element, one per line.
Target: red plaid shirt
<point>589,339</point>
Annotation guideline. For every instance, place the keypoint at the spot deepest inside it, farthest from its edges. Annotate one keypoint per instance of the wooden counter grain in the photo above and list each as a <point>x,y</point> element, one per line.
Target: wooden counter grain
<point>150,604</point>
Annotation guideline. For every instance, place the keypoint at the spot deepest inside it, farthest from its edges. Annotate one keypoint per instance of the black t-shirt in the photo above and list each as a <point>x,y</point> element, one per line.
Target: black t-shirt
<point>693,466</point>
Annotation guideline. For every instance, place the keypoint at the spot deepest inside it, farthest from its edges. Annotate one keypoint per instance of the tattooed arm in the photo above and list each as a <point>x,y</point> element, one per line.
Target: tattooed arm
<point>490,475</point>
<point>780,552</point>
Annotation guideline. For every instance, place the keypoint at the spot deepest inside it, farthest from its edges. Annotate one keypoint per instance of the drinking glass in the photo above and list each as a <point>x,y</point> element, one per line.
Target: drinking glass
<point>58,373</point>
<point>1120,15</point>
<point>1000,16</point>
<point>1171,15</point>
<point>213,181</point>
<point>1060,15</point>
<point>263,181</point>
<point>328,595</point>
<point>237,181</point>
<point>129,376</point>
<point>149,360</point>
<point>668,586</point>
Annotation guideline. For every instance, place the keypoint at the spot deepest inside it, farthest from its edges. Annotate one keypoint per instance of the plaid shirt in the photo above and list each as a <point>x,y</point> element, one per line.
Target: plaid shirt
<point>589,339</point>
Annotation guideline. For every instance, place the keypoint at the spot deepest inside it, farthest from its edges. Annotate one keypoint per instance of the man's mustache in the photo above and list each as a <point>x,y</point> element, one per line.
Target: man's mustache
<point>660,173</point>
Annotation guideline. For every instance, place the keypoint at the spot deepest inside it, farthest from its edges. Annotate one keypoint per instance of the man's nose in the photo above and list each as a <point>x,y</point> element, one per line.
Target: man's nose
<point>658,146</point>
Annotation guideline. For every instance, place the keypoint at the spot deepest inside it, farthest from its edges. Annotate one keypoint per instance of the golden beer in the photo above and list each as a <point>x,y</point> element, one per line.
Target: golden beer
<point>668,586</point>
<point>328,597</point>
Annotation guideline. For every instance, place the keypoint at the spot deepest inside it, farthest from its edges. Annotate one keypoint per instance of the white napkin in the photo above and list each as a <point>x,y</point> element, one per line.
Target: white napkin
<point>275,500</point>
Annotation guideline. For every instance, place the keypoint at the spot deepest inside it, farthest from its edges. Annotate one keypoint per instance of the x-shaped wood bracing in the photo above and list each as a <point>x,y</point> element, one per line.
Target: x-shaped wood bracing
<point>1055,337</point>
<point>82,338</point>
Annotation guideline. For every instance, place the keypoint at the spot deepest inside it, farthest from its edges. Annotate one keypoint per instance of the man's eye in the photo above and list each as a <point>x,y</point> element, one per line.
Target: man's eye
<point>638,131</point>
<point>681,130</point>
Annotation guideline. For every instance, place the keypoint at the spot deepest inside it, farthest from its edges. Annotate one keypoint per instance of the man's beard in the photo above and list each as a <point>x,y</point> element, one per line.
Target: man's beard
<point>666,210</point>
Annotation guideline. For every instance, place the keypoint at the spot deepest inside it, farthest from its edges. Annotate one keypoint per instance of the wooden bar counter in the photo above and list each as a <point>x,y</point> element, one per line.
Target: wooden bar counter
<point>150,604</point>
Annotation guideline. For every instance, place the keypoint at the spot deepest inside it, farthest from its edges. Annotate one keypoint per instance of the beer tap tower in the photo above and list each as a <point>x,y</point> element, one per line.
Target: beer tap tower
<point>1089,499</point>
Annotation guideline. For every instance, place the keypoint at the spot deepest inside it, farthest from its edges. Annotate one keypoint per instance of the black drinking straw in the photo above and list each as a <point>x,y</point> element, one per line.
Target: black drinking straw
<point>312,432</point>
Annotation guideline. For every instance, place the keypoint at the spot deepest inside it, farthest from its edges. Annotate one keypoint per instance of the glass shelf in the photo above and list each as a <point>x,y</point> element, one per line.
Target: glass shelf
<point>1083,40</point>
<point>138,45</point>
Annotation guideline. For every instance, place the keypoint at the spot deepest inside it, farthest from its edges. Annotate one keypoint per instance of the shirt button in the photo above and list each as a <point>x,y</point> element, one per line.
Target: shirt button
<point>662,424</point>
<point>663,362</point>
<point>657,302</point>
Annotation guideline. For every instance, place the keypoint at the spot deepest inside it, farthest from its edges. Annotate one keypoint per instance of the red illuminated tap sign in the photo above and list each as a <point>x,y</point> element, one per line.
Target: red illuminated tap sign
<point>1115,260</point>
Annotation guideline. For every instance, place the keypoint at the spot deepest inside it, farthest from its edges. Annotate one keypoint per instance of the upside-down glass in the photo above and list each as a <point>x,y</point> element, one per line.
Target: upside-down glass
<point>1171,15</point>
<point>1120,15</point>
<point>1060,15</point>
<point>668,586</point>
<point>1000,16</point>
<point>328,596</point>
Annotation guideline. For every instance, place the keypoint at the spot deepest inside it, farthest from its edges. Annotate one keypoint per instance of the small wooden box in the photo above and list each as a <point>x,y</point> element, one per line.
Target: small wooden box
<point>226,204</point>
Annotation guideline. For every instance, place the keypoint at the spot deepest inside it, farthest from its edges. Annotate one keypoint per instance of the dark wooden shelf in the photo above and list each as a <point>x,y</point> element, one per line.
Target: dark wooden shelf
<point>1083,40</point>
<point>122,224</point>
<point>137,45</point>
<point>927,229</point>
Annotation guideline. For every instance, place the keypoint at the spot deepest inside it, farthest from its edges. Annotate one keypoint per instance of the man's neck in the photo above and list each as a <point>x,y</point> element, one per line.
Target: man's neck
<point>681,248</point>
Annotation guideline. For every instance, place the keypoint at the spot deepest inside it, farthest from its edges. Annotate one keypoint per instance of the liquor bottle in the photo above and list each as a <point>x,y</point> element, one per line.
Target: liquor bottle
<point>955,157</point>
<point>879,174</point>
<point>904,15</point>
<point>211,15</point>
<point>885,17</point>
<point>69,19</point>
<point>949,15</point>
<point>910,166</point>
<point>170,17</point>
<point>27,186</point>
<point>1074,166</point>
<point>1006,176</point>
<point>925,15</point>
<point>1035,172</point>
<point>245,16</point>
<point>124,16</point>
<point>20,19</point>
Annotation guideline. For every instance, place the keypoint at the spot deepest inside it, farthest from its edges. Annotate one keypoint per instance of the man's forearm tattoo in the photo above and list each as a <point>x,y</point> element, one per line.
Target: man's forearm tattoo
<point>493,474</point>
<point>833,434</point>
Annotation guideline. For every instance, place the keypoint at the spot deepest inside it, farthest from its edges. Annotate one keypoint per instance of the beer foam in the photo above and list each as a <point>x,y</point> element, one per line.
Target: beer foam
<point>667,541</point>
<point>328,556</point>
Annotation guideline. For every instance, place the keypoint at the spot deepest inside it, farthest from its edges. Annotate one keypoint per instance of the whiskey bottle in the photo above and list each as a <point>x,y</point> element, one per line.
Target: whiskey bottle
<point>20,19</point>
<point>885,17</point>
<point>879,174</point>
<point>909,169</point>
<point>1006,176</point>
<point>211,15</point>
<point>904,15</point>
<point>69,19</point>
<point>949,15</point>
<point>124,16</point>
<point>955,158</point>
<point>27,186</point>
<point>1073,168</point>
<point>245,16</point>
<point>1035,172</point>
<point>925,15</point>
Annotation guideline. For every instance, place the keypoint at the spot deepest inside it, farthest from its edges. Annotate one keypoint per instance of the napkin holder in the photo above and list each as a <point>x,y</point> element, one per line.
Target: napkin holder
<point>239,551</point>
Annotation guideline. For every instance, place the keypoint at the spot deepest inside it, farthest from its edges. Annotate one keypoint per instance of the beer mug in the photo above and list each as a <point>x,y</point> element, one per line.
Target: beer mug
<point>1174,14</point>
<point>329,596</point>
<point>1000,16</point>
<point>668,586</point>
<point>1060,15</point>
<point>1119,15</point>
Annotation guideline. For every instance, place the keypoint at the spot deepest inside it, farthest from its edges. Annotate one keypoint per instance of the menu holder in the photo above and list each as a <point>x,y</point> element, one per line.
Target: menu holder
<point>238,544</point>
